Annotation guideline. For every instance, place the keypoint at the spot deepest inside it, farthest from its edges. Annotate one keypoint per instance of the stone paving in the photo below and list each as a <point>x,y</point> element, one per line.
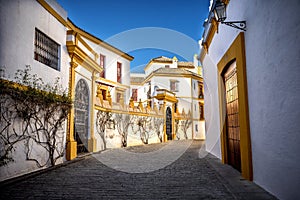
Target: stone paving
<point>188,177</point>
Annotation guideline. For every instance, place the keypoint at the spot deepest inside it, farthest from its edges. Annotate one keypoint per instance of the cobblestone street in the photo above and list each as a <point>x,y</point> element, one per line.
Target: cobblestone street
<point>189,177</point>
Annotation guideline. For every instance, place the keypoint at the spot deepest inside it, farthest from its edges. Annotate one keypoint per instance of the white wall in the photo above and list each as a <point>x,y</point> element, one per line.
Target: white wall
<point>272,65</point>
<point>155,66</point>
<point>274,95</point>
<point>18,22</point>
<point>211,108</point>
<point>111,60</point>
<point>111,63</point>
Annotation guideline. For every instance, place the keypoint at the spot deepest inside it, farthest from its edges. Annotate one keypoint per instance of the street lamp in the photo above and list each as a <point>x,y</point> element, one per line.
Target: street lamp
<point>219,11</point>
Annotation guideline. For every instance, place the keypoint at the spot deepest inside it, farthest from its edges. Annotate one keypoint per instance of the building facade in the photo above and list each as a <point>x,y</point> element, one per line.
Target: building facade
<point>37,33</point>
<point>252,89</point>
<point>183,82</point>
<point>32,36</point>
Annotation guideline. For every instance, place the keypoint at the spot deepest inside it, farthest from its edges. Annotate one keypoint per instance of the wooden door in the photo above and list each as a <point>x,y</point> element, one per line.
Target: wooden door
<point>169,123</point>
<point>232,117</point>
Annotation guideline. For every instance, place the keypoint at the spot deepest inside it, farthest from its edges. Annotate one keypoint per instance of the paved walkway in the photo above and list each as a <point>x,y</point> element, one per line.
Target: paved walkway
<point>187,177</point>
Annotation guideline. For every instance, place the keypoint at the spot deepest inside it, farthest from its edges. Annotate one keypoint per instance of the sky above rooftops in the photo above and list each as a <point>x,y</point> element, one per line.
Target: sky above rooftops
<point>143,29</point>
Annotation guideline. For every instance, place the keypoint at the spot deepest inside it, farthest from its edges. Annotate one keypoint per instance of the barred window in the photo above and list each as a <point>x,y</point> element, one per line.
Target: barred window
<point>46,50</point>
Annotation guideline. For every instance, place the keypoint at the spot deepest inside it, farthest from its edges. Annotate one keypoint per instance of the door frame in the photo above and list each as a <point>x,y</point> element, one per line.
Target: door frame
<point>236,52</point>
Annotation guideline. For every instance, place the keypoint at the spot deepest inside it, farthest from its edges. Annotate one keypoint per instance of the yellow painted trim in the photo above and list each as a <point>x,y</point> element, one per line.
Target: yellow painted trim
<point>203,54</point>
<point>92,142</point>
<point>87,46</point>
<point>165,122</point>
<point>159,62</point>
<point>167,98</point>
<point>173,119</point>
<point>148,65</point>
<point>89,36</point>
<point>116,84</point>
<point>237,52</point>
<point>225,1</point>
<point>45,5</point>
<point>98,41</point>
<point>97,107</point>
<point>211,33</point>
<point>136,84</point>
<point>120,89</point>
<point>71,151</point>
<point>80,57</point>
<point>193,76</point>
<point>78,72</point>
<point>192,110</point>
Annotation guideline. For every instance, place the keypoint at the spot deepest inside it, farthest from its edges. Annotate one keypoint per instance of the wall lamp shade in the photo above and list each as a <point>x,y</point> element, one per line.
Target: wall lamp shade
<point>219,11</point>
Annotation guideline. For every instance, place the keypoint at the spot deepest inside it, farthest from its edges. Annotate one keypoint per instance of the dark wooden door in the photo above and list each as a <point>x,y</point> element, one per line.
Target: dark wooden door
<point>169,123</point>
<point>232,117</point>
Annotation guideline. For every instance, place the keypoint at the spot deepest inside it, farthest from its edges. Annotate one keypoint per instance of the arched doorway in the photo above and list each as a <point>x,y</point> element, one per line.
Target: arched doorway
<point>232,117</point>
<point>81,106</point>
<point>169,123</point>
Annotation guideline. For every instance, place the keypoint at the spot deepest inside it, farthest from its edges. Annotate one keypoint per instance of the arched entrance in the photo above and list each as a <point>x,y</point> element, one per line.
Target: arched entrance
<point>81,106</point>
<point>232,117</point>
<point>169,123</point>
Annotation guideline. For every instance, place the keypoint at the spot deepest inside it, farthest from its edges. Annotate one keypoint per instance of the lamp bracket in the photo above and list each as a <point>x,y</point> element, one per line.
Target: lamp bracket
<point>236,24</point>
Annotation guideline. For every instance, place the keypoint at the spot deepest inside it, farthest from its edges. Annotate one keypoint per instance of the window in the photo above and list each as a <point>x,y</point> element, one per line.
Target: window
<point>119,72</point>
<point>201,111</point>
<point>102,64</point>
<point>196,127</point>
<point>167,66</point>
<point>119,95</point>
<point>103,94</point>
<point>134,94</point>
<point>46,50</point>
<point>176,107</point>
<point>200,91</point>
<point>174,85</point>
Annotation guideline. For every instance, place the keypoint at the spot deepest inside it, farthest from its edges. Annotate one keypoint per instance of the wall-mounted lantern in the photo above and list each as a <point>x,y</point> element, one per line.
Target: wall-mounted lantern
<point>219,11</point>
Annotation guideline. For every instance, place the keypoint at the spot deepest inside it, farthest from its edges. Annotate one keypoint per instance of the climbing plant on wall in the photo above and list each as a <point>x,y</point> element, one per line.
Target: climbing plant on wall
<point>34,113</point>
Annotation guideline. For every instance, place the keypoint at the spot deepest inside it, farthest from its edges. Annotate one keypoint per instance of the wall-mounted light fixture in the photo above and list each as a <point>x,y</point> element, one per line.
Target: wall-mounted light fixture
<point>219,11</point>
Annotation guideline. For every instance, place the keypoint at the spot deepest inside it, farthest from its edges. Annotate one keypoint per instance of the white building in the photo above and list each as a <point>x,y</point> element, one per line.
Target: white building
<point>26,26</point>
<point>22,24</point>
<point>180,79</point>
<point>38,33</point>
<point>252,87</point>
<point>97,67</point>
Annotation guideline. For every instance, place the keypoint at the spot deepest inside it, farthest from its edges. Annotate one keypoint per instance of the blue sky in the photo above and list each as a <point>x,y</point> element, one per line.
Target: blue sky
<point>175,26</point>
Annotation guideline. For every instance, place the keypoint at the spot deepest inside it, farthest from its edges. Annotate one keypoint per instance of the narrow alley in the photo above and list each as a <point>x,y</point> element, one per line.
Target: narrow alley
<point>188,177</point>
